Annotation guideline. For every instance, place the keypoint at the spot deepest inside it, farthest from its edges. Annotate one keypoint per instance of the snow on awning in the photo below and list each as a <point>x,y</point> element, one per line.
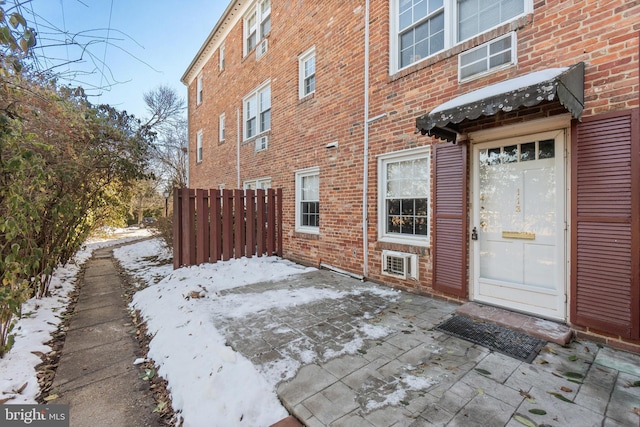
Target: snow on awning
<point>565,84</point>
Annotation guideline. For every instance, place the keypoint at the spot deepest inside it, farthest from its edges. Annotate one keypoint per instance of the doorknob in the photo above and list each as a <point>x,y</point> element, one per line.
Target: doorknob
<point>474,234</point>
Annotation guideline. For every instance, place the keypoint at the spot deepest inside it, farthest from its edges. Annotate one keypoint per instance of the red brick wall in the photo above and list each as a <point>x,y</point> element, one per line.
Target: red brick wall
<point>558,33</point>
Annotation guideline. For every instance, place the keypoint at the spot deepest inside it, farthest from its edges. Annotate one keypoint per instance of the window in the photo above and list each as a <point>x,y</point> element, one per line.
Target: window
<point>257,111</point>
<point>257,24</point>
<point>265,18</point>
<point>257,184</point>
<point>250,37</point>
<point>307,71</point>
<point>308,200</point>
<point>221,128</point>
<point>525,152</point>
<point>477,16</point>
<point>404,186</point>
<point>422,28</point>
<point>199,147</point>
<point>199,90</point>
<point>221,57</point>
<point>487,56</point>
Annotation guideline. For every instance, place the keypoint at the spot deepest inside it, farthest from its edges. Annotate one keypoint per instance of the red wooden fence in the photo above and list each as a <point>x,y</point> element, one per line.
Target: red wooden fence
<point>212,225</point>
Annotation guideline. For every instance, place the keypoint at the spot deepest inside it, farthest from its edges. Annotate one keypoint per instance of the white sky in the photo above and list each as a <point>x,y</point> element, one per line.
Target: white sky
<point>151,42</point>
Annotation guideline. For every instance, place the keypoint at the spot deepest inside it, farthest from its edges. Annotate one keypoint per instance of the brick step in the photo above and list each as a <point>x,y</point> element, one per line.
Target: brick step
<point>534,326</point>
<point>290,421</point>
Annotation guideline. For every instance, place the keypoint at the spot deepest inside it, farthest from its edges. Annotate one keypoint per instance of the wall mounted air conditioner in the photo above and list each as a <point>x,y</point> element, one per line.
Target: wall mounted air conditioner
<point>262,142</point>
<point>400,264</point>
<point>262,48</point>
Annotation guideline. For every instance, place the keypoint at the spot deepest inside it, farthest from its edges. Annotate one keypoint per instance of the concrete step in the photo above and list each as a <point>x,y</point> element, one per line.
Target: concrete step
<point>534,326</point>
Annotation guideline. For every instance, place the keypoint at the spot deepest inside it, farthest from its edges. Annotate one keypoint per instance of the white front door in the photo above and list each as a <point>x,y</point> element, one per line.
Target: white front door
<point>519,224</point>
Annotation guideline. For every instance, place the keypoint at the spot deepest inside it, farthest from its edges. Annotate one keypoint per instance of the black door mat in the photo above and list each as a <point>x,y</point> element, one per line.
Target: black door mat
<point>503,340</point>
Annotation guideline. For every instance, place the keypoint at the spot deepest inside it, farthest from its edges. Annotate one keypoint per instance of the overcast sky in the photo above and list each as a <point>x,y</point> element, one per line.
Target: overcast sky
<point>150,42</point>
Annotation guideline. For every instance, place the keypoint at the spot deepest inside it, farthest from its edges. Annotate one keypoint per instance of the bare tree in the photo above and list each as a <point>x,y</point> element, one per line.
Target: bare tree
<point>168,161</point>
<point>171,155</point>
<point>165,107</point>
<point>167,120</point>
<point>58,54</point>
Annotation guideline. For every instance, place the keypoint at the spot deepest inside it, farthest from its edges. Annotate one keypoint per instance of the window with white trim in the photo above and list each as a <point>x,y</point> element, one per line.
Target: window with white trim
<point>307,72</point>
<point>257,184</point>
<point>257,111</point>
<point>403,196</point>
<point>257,24</point>
<point>221,62</point>
<point>199,89</point>
<point>422,28</point>
<point>221,127</point>
<point>199,146</point>
<point>265,17</point>
<point>308,200</point>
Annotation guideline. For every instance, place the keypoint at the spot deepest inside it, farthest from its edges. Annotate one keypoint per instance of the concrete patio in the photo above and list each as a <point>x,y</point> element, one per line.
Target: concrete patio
<point>412,375</point>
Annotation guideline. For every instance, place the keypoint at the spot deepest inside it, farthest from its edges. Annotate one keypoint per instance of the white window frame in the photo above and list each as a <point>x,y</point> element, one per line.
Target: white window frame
<point>302,72</point>
<point>264,13</point>
<point>199,89</point>
<point>199,147</point>
<point>221,127</point>
<point>256,30</point>
<point>383,161</point>
<point>487,46</point>
<point>221,58</point>
<point>300,175</point>
<point>257,184</point>
<point>450,30</point>
<point>255,98</point>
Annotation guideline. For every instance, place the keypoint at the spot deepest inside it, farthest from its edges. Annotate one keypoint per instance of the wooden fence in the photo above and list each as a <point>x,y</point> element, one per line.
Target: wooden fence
<point>212,225</point>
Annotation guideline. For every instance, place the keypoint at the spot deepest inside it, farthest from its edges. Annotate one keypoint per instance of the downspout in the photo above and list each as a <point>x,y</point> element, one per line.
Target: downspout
<point>365,175</point>
<point>238,145</point>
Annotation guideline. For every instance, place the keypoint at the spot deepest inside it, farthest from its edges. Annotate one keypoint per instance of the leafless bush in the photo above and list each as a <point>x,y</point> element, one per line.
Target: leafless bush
<point>164,226</point>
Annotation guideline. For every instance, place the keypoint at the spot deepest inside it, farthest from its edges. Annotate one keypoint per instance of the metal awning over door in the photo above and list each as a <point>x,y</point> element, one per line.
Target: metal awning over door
<point>564,84</point>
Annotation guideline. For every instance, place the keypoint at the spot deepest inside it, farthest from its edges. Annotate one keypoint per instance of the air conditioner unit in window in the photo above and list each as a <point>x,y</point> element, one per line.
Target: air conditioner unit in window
<point>262,48</point>
<point>399,264</point>
<point>261,143</point>
<point>487,57</point>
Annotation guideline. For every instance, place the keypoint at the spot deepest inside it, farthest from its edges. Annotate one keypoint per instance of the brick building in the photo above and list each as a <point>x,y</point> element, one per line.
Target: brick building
<point>490,152</point>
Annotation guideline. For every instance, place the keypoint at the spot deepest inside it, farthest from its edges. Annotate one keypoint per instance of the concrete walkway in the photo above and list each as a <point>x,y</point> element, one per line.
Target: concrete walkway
<point>96,375</point>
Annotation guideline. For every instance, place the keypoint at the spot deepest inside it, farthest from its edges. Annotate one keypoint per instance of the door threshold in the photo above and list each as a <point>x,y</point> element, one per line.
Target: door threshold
<point>544,329</point>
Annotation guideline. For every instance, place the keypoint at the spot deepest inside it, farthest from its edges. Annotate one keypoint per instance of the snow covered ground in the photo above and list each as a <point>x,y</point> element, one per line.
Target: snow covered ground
<point>182,309</point>
<point>190,353</point>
